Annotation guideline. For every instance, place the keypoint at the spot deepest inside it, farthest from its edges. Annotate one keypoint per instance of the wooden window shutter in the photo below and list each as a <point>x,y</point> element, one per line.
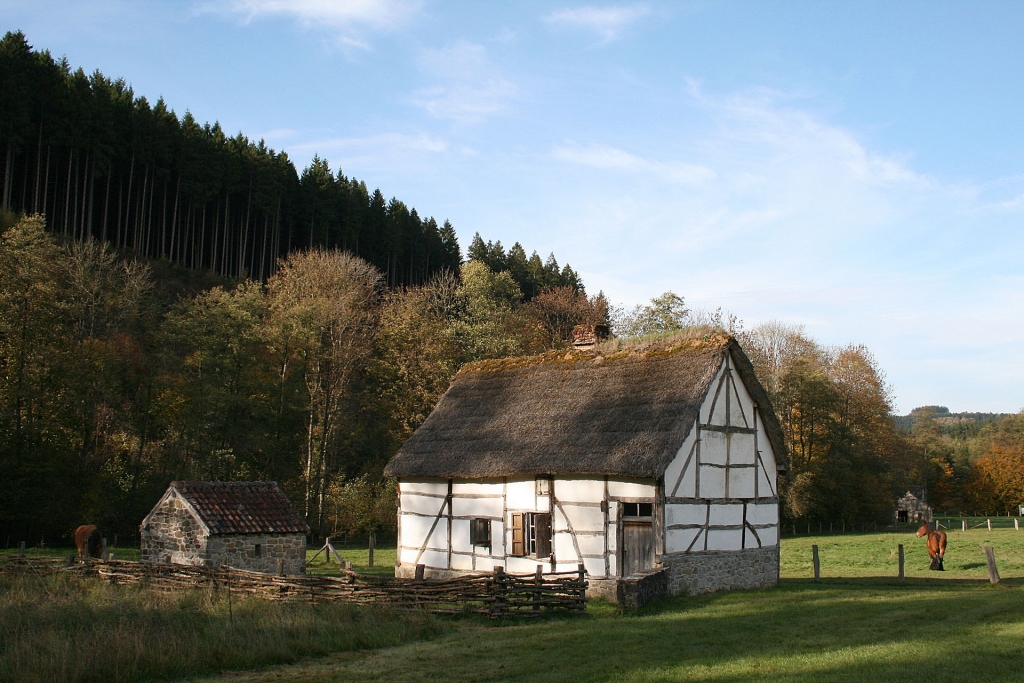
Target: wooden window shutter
<point>542,522</point>
<point>518,540</point>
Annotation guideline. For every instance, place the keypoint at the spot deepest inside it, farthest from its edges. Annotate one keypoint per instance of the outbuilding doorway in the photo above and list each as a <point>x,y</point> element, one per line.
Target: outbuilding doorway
<point>637,537</point>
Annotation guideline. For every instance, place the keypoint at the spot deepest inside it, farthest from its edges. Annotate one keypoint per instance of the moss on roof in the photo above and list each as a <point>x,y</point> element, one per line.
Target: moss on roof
<point>621,408</point>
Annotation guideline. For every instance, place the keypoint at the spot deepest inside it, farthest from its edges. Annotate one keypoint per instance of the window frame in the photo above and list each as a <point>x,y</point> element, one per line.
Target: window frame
<point>531,535</point>
<point>476,537</point>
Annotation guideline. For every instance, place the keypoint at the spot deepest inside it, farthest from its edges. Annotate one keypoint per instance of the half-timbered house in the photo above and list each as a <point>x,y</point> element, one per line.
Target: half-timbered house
<point>632,460</point>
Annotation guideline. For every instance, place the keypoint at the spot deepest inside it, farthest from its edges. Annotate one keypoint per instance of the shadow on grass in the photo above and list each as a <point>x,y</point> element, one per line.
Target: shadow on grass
<point>835,630</point>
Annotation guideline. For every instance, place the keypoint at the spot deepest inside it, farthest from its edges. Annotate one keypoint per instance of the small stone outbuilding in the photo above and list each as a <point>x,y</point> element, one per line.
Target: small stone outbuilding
<point>247,525</point>
<point>913,508</point>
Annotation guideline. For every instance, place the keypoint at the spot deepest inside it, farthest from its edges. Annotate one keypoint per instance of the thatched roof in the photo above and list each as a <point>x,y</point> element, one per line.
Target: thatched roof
<point>605,410</point>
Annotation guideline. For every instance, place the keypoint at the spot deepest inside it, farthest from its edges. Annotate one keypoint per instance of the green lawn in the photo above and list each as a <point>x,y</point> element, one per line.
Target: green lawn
<point>858,624</point>
<point>866,555</point>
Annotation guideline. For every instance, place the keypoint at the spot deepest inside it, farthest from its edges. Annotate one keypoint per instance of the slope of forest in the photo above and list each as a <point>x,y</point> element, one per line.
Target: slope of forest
<point>101,162</point>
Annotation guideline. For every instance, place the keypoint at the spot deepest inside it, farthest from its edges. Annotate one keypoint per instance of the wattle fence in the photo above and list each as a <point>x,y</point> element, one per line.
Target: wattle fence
<point>496,594</point>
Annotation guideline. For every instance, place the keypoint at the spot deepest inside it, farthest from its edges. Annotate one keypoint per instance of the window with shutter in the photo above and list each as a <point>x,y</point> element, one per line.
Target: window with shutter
<point>542,534</point>
<point>518,537</point>
<point>480,532</point>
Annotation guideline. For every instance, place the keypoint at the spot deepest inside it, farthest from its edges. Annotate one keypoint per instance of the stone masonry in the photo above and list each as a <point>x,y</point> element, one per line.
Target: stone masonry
<point>172,534</point>
<point>239,550</point>
<point>704,572</point>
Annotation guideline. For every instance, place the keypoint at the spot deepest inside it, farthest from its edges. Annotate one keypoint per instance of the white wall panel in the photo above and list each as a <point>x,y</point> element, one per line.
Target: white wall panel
<point>580,490</point>
<point>672,472</point>
<point>562,545</point>
<point>712,482</point>
<point>677,540</point>
<point>438,486</point>
<point>741,451</point>
<point>522,495</point>
<point>414,529</point>
<point>684,514</point>
<point>721,539</point>
<point>712,447</point>
<point>477,507</point>
<point>726,514</point>
<point>435,558</point>
<point>526,565</point>
<point>763,514</point>
<point>626,488</point>
<point>462,562</point>
<point>486,487</point>
<point>769,536</point>
<point>741,482</point>
<point>421,504</point>
<point>460,535</point>
<point>582,518</point>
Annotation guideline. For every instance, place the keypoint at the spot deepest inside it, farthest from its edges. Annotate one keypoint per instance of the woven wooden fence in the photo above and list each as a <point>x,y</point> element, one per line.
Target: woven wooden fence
<point>495,594</point>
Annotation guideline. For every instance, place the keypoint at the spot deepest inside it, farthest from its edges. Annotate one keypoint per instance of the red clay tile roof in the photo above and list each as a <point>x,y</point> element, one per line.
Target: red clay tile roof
<point>242,507</point>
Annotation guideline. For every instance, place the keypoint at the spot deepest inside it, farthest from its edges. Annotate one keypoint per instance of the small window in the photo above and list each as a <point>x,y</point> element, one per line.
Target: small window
<point>480,532</point>
<point>543,486</point>
<point>259,550</point>
<point>637,509</point>
<point>531,534</point>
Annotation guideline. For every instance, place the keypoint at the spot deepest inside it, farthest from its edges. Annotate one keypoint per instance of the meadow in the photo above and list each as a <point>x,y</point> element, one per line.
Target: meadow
<point>859,623</point>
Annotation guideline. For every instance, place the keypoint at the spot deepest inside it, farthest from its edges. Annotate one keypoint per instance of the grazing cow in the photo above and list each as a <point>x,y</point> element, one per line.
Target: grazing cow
<point>936,545</point>
<point>89,541</point>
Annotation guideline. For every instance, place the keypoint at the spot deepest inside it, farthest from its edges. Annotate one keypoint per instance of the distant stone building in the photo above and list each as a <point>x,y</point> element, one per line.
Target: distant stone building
<point>247,525</point>
<point>912,508</point>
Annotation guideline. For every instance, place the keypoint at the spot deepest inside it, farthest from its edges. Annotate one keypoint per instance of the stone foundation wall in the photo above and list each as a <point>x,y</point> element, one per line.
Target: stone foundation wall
<point>714,570</point>
<point>172,534</point>
<point>239,551</point>
<point>636,591</point>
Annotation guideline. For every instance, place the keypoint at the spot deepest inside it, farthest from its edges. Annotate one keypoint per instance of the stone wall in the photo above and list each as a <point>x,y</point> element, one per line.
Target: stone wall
<point>172,534</point>
<point>703,572</point>
<point>239,551</point>
<point>636,591</point>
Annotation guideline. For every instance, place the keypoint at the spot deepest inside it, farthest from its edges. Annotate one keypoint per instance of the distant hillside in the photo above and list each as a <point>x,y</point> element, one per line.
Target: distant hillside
<point>965,421</point>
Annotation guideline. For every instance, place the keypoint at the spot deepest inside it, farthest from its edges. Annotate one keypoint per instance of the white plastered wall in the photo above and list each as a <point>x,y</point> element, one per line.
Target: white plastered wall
<point>721,488</point>
<point>583,527</point>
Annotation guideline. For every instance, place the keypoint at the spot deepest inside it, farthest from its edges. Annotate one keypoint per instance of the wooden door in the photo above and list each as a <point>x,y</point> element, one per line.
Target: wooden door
<point>637,547</point>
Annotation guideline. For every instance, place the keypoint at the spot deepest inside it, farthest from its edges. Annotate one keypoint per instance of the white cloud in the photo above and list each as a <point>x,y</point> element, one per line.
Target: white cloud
<point>607,22</point>
<point>611,158</point>
<point>348,17</point>
<point>467,86</point>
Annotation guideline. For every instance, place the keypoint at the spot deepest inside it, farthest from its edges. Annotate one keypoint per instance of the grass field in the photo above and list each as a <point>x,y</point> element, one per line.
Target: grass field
<point>858,624</point>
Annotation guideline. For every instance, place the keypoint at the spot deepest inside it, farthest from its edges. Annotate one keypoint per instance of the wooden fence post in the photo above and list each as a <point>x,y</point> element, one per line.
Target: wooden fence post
<point>902,574</point>
<point>538,581</point>
<point>419,571</point>
<point>963,525</point>
<point>583,586</point>
<point>989,524</point>
<point>71,560</point>
<point>21,549</point>
<point>1016,523</point>
<point>498,606</point>
<point>103,550</point>
<point>817,565</point>
<point>280,566</point>
<point>990,560</point>
<point>372,539</point>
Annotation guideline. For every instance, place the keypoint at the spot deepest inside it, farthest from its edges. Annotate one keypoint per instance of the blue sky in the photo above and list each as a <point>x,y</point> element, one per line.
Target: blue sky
<point>857,168</point>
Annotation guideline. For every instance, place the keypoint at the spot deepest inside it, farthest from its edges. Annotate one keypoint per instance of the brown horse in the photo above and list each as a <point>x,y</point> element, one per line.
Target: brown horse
<point>89,541</point>
<point>936,545</point>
